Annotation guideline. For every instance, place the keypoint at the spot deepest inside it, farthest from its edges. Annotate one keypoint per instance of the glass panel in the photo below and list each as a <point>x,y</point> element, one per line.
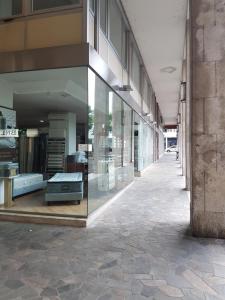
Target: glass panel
<point>145,95</point>
<point>46,4</point>
<point>115,26</point>
<point>106,174</point>
<point>143,144</point>
<point>49,110</point>
<point>135,69</point>
<point>115,113</point>
<point>10,8</point>
<point>103,15</point>
<point>127,146</point>
<point>92,6</point>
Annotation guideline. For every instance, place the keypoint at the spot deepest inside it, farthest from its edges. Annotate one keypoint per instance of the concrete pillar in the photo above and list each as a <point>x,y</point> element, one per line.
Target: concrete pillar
<point>183,136</point>
<point>179,136</point>
<point>208,118</point>
<point>188,107</point>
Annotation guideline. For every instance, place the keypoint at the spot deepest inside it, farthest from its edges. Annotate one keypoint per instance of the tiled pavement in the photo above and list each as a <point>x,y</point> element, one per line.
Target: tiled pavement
<point>139,249</point>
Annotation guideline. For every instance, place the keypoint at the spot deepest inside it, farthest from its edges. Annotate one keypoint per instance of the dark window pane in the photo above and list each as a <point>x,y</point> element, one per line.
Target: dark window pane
<point>115,27</point>
<point>136,69</point>
<point>10,8</point>
<point>45,4</point>
<point>124,46</point>
<point>92,6</point>
<point>103,15</point>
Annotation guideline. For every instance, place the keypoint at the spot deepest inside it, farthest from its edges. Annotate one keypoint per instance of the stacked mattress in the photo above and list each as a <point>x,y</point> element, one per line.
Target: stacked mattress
<point>65,187</point>
<point>26,183</point>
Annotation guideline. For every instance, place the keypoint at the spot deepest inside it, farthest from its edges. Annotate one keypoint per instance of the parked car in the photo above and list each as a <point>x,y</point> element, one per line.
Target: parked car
<point>172,148</point>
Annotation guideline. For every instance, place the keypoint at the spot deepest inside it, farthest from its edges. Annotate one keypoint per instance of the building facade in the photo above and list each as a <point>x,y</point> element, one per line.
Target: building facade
<point>78,114</point>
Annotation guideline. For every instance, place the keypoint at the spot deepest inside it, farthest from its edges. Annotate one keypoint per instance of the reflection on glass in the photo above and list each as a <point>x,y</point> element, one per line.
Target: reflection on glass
<point>10,8</point>
<point>110,132</point>
<point>49,110</point>
<point>143,144</point>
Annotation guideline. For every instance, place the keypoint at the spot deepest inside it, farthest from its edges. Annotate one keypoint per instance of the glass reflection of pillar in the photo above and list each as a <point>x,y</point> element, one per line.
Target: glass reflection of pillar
<point>117,131</point>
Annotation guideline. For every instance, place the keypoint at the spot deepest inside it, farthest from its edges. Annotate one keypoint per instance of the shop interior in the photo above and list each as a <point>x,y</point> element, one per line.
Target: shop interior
<point>49,108</point>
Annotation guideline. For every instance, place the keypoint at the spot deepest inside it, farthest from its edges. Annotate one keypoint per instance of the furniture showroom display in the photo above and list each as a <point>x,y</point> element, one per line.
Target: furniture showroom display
<point>65,187</point>
<point>8,169</point>
<point>26,183</point>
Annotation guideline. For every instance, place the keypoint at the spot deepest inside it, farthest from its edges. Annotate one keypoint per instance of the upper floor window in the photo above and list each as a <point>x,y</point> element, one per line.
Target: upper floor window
<point>10,8</point>
<point>92,6</point>
<point>135,69</point>
<point>117,30</point>
<point>103,15</point>
<point>115,26</point>
<point>145,93</point>
<point>47,4</point>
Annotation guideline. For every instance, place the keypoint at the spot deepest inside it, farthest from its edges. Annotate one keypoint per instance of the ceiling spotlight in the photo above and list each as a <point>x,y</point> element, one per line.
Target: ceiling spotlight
<point>183,90</point>
<point>147,115</point>
<point>42,121</point>
<point>123,88</point>
<point>169,69</point>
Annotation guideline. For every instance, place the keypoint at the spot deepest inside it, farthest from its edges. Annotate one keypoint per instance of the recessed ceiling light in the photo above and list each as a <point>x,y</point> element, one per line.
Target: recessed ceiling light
<point>42,121</point>
<point>169,69</point>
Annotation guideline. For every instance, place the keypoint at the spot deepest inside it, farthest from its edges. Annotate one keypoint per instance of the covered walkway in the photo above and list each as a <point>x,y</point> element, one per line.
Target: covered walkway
<point>140,248</point>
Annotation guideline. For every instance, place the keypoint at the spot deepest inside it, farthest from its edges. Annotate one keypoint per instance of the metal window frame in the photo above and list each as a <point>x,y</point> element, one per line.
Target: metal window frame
<point>27,10</point>
<point>51,9</point>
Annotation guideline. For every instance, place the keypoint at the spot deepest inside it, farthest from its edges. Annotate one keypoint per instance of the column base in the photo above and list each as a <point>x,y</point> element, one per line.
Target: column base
<point>208,224</point>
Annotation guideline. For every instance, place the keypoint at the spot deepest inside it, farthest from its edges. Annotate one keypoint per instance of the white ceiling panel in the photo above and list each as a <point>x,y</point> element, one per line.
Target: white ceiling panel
<point>159,28</point>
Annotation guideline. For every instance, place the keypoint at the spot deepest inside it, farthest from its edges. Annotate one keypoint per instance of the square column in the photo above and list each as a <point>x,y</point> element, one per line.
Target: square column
<point>208,118</point>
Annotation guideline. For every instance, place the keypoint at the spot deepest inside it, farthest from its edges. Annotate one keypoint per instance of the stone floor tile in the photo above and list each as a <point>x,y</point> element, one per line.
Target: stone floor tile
<point>198,283</point>
<point>139,249</point>
<point>171,291</point>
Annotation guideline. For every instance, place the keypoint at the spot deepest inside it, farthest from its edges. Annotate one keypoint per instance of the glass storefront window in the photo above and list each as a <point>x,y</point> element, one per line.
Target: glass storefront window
<point>115,26</point>
<point>10,8</point>
<point>143,144</point>
<point>47,4</point>
<point>108,124</point>
<point>70,143</point>
<point>48,158</point>
<point>128,132</point>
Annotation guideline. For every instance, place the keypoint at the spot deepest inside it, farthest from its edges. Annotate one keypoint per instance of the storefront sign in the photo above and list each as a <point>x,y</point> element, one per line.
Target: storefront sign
<point>9,133</point>
<point>85,147</point>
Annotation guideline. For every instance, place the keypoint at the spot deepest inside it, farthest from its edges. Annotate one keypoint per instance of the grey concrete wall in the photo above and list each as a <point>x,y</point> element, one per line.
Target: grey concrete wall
<point>188,107</point>
<point>208,117</point>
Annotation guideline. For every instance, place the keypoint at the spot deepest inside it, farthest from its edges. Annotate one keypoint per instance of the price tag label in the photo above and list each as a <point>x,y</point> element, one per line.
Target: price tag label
<point>9,133</point>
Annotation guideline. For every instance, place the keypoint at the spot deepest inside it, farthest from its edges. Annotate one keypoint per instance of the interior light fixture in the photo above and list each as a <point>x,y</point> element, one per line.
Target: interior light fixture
<point>147,115</point>
<point>42,121</point>
<point>183,86</point>
<point>123,88</point>
<point>169,69</point>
